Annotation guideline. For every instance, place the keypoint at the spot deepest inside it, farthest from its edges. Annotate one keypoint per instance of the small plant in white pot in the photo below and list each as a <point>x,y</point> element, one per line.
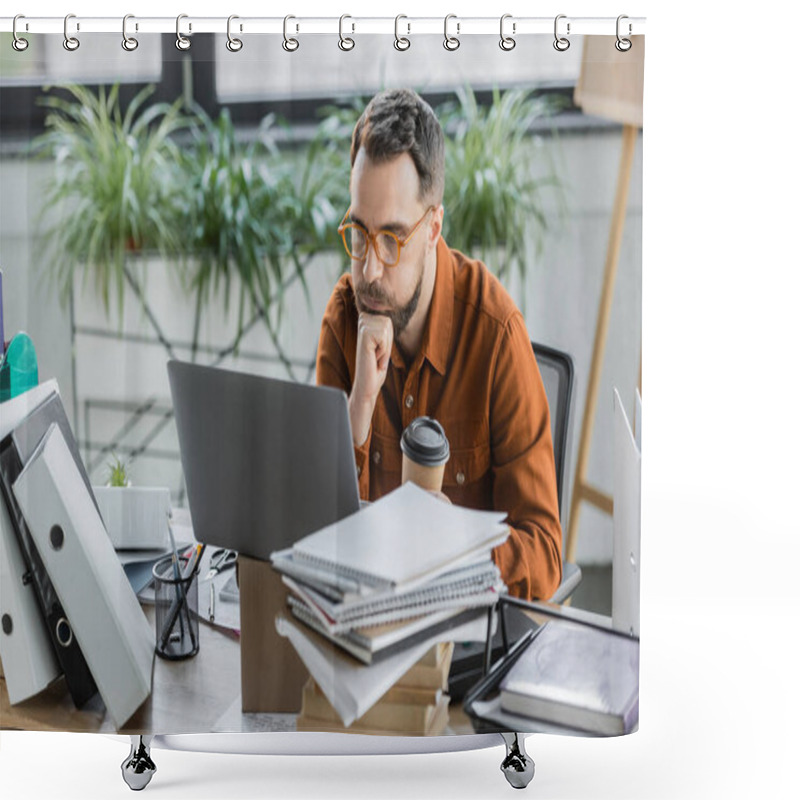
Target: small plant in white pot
<point>135,516</point>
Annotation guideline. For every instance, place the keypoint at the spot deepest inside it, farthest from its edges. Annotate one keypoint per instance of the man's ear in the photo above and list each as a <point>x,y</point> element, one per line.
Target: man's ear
<point>436,225</point>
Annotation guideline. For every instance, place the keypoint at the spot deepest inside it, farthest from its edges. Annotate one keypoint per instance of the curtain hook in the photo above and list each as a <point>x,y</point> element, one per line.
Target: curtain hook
<point>401,43</point>
<point>234,45</point>
<point>451,43</point>
<point>345,42</point>
<point>561,43</point>
<point>19,44</point>
<point>181,42</point>
<point>128,42</point>
<point>623,45</point>
<point>507,43</point>
<point>71,43</point>
<point>290,44</point>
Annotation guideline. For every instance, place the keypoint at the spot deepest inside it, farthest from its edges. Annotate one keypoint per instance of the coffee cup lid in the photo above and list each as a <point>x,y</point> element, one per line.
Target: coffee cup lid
<point>425,443</point>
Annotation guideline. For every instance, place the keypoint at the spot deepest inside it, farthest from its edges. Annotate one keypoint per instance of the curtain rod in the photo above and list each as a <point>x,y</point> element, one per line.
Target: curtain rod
<point>349,25</point>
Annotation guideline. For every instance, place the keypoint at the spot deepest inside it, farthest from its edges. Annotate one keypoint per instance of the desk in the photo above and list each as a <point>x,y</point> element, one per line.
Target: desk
<point>199,695</point>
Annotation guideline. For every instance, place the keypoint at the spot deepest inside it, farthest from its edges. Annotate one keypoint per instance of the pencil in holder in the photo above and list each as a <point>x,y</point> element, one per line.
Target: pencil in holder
<point>177,621</point>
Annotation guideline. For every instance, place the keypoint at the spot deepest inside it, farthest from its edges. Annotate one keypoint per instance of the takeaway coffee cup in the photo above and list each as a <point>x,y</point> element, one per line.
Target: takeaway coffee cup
<point>425,452</point>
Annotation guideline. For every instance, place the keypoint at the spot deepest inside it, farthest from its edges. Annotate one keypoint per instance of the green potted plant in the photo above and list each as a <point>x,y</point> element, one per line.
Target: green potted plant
<point>496,177</point>
<point>135,516</point>
<point>113,184</point>
<point>254,217</point>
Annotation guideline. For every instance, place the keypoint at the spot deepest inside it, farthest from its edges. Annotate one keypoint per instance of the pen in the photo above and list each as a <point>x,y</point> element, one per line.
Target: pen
<point>176,572</point>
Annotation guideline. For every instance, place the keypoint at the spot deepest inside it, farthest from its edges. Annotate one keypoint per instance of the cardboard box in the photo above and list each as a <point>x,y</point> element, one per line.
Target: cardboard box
<point>272,673</point>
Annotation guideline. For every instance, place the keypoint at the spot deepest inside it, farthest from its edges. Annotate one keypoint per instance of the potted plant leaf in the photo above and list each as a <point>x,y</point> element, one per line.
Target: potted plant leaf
<point>113,186</point>
<point>494,197</point>
<point>254,216</point>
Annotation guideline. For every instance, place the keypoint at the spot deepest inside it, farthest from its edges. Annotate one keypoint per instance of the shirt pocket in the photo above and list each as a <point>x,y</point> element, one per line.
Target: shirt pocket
<point>385,458</point>
<point>467,472</point>
<point>467,466</point>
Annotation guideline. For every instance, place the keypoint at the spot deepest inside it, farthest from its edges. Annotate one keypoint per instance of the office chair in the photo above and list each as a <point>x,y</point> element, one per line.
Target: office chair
<point>557,374</point>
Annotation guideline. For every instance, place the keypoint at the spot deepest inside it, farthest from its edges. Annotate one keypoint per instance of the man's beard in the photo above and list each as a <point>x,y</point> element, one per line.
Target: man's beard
<point>401,316</point>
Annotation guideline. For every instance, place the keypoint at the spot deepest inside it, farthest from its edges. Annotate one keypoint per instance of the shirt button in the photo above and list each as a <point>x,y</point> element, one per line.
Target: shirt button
<point>409,401</point>
<point>460,478</point>
<point>376,457</point>
<point>358,471</point>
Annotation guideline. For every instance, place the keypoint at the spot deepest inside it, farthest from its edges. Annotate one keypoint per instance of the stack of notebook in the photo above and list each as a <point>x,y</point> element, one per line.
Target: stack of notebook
<point>417,704</point>
<point>396,573</point>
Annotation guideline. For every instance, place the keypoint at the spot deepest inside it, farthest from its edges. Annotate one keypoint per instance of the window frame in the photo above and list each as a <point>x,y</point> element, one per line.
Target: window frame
<point>23,116</point>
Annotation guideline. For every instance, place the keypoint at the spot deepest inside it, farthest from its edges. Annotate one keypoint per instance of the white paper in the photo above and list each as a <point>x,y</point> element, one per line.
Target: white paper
<point>351,688</point>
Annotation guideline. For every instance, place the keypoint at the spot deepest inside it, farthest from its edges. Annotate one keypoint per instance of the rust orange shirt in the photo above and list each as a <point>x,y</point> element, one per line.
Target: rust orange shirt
<point>475,373</point>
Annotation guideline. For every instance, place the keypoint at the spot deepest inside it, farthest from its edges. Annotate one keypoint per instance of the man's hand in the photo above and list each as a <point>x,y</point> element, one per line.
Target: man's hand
<point>373,352</point>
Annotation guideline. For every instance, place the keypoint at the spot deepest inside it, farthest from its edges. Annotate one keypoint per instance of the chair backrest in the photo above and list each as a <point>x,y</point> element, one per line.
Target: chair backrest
<point>557,375</point>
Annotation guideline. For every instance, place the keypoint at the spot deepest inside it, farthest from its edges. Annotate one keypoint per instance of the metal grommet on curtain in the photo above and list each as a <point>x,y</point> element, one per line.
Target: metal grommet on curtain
<point>181,42</point>
<point>623,45</point>
<point>345,42</point>
<point>561,43</point>
<point>18,43</point>
<point>233,44</point>
<point>128,42</point>
<point>451,43</point>
<point>289,44</point>
<point>507,43</point>
<point>401,43</point>
<point>70,42</point>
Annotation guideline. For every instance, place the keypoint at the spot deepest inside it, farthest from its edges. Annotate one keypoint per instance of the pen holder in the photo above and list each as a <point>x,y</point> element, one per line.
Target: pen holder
<point>177,621</point>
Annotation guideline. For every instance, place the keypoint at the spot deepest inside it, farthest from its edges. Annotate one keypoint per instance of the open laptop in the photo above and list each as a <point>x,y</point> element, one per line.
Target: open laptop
<point>266,461</point>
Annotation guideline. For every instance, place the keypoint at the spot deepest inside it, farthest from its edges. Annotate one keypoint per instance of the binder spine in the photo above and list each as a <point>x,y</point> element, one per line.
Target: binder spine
<point>78,677</point>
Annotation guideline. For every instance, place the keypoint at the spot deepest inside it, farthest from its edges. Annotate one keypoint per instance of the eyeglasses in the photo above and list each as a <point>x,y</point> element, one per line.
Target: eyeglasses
<point>387,245</point>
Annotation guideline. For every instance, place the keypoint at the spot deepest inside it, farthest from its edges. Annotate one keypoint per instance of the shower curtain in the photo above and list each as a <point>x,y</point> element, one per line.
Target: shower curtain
<point>398,217</point>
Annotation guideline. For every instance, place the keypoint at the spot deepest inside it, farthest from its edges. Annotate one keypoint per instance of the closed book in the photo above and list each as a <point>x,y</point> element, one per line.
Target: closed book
<point>107,620</point>
<point>398,716</point>
<point>71,661</point>
<point>411,694</point>
<point>436,719</point>
<point>426,676</point>
<point>400,694</point>
<point>369,645</point>
<point>435,656</point>
<point>576,676</point>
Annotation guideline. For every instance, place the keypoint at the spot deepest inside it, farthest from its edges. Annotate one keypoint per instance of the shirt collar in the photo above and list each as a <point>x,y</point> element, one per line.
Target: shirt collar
<point>436,340</point>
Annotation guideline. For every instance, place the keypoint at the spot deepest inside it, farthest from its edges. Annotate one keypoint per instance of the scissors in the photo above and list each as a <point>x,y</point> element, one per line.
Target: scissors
<point>221,559</point>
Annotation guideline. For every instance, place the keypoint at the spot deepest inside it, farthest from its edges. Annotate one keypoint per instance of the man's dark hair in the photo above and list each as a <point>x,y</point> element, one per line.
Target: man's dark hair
<point>399,121</point>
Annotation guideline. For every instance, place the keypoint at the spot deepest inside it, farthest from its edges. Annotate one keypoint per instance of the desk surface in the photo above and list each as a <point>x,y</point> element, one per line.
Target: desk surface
<point>199,695</point>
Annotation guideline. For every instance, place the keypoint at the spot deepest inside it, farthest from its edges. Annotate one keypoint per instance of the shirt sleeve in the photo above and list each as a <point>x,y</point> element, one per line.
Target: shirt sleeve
<point>334,370</point>
<point>524,469</point>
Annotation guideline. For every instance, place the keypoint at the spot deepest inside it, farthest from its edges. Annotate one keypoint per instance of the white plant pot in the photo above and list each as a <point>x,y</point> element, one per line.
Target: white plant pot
<point>135,516</point>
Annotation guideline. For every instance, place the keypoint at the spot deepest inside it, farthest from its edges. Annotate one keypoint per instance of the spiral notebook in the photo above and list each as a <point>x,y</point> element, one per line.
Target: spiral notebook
<point>403,540</point>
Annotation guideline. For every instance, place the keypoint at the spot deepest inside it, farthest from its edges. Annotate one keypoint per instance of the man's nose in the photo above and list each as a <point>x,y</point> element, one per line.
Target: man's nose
<point>373,267</point>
